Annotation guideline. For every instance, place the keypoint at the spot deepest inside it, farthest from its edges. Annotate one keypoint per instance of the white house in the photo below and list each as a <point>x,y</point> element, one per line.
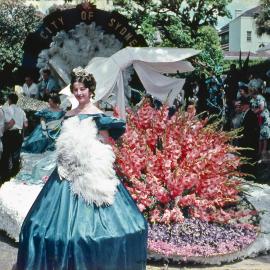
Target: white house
<point>240,34</point>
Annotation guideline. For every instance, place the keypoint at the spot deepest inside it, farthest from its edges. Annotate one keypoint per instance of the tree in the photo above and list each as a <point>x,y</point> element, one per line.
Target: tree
<point>263,18</point>
<point>208,41</point>
<point>192,14</point>
<point>180,23</point>
<point>16,22</point>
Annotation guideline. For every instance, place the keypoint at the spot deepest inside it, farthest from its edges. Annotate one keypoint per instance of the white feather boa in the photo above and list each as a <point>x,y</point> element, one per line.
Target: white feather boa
<point>86,162</point>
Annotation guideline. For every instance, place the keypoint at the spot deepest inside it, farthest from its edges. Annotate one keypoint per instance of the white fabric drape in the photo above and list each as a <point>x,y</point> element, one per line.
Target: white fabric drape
<point>159,86</point>
<point>150,65</point>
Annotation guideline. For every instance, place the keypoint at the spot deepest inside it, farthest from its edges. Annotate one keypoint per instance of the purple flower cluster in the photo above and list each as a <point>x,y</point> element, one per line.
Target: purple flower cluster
<point>198,238</point>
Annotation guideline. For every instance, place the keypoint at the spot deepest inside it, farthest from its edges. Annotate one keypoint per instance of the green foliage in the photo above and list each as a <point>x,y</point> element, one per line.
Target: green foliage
<point>263,18</point>
<point>252,63</point>
<point>180,23</point>
<point>148,30</point>
<point>16,22</point>
<point>190,13</point>
<point>255,66</point>
<point>208,41</point>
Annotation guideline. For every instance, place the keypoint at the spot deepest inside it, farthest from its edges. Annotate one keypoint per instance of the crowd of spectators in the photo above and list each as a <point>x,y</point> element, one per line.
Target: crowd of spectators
<point>13,121</point>
<point>43,88</point>
<point>240,104</point>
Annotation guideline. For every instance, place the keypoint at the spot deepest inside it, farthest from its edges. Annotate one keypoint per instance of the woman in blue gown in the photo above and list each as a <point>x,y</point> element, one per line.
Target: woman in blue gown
<point>84,218</point>
<point>44,135</point>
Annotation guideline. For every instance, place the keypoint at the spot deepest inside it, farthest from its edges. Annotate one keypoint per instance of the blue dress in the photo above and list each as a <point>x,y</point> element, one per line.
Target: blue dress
<point>35,167</point>
<point>62,231</point>
<point>41,140</point>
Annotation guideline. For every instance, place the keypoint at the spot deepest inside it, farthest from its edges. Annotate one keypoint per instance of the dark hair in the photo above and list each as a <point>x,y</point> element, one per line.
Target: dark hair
<point>28,76</point>
<point>47,71</point>
<point>55,98</point>
<point>243,87</point>
<point>256,91</point>
<point>13,98</point>
<point>190,101</point>
<point>80,75</point>
<point>244,101</point>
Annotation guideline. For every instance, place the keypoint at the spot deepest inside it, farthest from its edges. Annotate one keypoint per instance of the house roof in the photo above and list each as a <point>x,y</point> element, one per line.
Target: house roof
<point>249,13</point>
<point>225,28</point>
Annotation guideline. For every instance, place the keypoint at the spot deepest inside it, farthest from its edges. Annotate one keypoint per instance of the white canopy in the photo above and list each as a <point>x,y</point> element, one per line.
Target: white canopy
<point>150,65</point>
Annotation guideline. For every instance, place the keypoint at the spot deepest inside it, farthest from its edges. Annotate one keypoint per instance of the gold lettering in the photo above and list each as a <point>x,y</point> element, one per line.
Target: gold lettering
<point>48,29</point>
<point>43,35</point>
<point>111,22</point>
<point>133,43</point>
<point>87,15</point>
<point>61,20</point>
<point>128,36</point>
<point>123,31</point>
<point>54,24</point>
<point>83,15</point>
<point>118,25</point>
<point>90,15</point>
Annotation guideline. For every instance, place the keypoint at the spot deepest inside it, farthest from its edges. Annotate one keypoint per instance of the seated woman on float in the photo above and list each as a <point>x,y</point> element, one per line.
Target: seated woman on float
<point>44,135</point>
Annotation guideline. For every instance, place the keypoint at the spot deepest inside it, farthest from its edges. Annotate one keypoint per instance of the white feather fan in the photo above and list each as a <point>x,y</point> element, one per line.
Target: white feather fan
<point>86,162</point>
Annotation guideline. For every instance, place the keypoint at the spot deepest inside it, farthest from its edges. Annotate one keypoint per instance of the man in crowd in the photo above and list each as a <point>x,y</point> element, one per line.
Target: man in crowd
<point>30,89</point>
<point>232,84</point>
<point>250,136</point>
<point>47,85</point>
<point>15,120</point>
<point>202,94</point>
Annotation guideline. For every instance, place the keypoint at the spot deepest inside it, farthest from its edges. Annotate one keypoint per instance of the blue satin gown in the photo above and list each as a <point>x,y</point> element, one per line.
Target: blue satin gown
<point>37,142</point>
<point>62,232</point>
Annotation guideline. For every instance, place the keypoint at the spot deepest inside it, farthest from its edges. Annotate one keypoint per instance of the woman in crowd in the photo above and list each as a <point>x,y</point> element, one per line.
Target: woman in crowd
<point>259,106</point>
<point>214,100</point>
<point>84,218</point>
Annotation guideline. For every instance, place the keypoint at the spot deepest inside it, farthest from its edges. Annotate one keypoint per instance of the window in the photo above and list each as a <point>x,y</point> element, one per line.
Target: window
<point>224,39</point>
<point>248,35</point>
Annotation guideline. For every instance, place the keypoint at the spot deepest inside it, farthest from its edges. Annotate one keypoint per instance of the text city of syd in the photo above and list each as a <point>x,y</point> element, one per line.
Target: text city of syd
<point>87,16</point>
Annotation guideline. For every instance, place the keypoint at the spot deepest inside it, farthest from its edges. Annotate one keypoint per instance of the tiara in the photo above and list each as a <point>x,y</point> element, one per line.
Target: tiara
<point>79,72</point>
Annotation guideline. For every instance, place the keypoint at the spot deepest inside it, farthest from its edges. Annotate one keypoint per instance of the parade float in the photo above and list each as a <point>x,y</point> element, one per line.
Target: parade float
<point>181,170</point>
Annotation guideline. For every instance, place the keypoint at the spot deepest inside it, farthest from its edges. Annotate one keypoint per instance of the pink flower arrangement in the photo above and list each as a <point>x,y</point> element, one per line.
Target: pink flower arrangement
<point>179,166</point>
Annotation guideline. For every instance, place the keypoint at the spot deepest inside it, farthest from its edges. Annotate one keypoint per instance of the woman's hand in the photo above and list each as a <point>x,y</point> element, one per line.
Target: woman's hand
<point>104,136</point>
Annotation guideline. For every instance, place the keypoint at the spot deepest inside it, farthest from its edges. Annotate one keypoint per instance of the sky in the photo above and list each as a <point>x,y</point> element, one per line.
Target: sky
<point>237,4</point>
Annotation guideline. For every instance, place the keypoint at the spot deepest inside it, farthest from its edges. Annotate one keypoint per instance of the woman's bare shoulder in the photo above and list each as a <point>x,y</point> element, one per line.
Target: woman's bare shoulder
<point>98,111</point>
<point>95,110</point>
<point>70,113</point>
